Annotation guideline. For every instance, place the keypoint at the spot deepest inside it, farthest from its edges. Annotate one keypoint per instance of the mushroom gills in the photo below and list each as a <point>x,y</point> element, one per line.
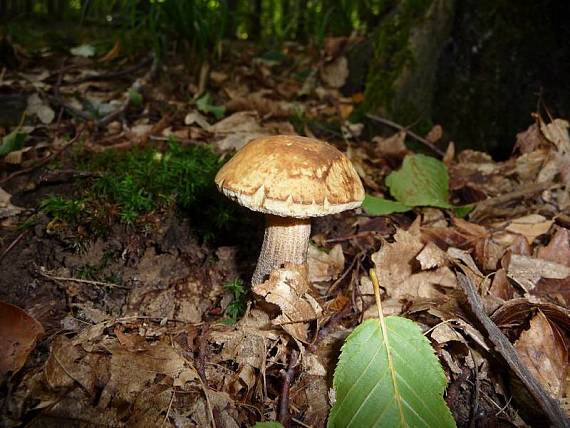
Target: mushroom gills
<point>286,239</point>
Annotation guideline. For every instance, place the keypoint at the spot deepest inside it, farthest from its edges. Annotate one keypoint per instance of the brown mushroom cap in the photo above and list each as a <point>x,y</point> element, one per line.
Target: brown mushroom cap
<point>291,176</point>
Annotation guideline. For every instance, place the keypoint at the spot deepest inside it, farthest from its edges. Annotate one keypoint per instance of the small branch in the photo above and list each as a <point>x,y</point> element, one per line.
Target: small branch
<point>284,416</point>
<point>354,235</point>
<point>505,348</point>
<point>13,244</point>
<point>412,134</point>
<point>81,281</point>
<point>114,74</point>
<point>44,160</point>
<point>517,194</point>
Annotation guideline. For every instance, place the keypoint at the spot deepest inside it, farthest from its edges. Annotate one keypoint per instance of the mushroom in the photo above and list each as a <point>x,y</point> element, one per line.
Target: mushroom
<point>290,179</point>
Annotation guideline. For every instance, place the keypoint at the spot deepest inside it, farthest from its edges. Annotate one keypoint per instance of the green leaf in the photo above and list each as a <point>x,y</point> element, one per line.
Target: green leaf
<point>463,210</point>
<point>392,380</point>
<point>270,424</point>
<point>374,205</point>
<point>12,142</point>
<point>422,181</point>
<point>204,104</point>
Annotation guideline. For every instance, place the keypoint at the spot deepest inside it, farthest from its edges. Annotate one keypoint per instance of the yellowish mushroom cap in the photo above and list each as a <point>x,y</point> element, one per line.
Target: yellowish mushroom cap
<point>291,176</point>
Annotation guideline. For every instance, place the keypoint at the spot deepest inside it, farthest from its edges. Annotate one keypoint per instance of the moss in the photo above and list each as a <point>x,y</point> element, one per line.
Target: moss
<point>392,54</point>
<point>134,185</point>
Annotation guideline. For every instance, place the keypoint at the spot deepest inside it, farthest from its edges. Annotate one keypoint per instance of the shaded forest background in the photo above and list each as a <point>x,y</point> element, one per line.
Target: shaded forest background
<point>476,67</point>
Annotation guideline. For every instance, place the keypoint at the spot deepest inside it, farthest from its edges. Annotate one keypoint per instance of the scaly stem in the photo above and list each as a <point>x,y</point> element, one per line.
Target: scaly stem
<point>286,240</point>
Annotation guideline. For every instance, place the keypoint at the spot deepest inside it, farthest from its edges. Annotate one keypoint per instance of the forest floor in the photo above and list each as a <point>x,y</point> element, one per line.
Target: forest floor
<point>124,286</point>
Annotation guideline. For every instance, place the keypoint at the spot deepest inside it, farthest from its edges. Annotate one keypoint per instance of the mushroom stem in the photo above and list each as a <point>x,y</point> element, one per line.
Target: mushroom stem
<point>286,240</point>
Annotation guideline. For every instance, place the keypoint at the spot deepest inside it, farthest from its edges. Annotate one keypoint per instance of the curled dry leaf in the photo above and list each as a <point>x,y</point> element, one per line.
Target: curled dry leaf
<point>395,267</point>
<point>235,131</point>
<point>18,335</point>
<point>324,266</point>
<point>543,348</point>
<point>527,271</point>
<point>531,226</point>
<point>288,288</point>
<point>558,249</point>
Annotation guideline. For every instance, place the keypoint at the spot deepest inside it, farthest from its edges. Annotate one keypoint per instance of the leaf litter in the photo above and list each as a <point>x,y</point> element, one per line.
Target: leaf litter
<point>154,350</point>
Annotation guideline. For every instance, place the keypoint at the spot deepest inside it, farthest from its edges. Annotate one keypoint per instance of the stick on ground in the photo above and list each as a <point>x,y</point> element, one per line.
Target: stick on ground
<point>505,348</point>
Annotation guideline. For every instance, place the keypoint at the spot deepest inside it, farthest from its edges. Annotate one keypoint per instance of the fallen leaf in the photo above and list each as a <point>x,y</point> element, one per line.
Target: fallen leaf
<point>6,207</point>
<point>288,288</point>
<point>18,335</point>
<point>392,146</point>
<point>40,108</point>
<point>558,248</point>
<point>543,348</point>
<point>197,118</point>
<point>396,273</point>
<point>527,271</point>
<point>530,226</point>
<point>324,266</point>
<point>335,73</point>
<point>84,51</point>
<point>557,133</point>
<point>113,53</point>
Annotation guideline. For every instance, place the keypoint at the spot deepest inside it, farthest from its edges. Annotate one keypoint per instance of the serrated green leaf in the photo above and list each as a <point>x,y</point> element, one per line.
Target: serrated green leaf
<point>270,424</point>
<point>393,383</point>
<point>422,181</point>
<point>11,142</point>
<point>204,104</point>
<point>374,205</point>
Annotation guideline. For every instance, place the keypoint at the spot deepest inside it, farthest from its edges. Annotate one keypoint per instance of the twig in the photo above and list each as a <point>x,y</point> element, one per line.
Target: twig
<point>284,416</point>
<point>169,407</point>
<point>346,272</point>
<point>44,160</point>
<point>56,99</point>
<point>82,281</point>
<point>114,74</point>
<point>505,348</point>
<point>354,235</point>
<point>415,136</point>
<point>13,244</point>
<point>507,197</point>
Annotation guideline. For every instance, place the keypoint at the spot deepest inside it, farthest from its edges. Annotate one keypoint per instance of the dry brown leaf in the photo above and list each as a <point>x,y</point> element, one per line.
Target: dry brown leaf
<point>6,207</point>
<point>195,117</point>
<point>288,288</point>
<point>395,268</point>
<point>557,133</point>
<point>500,287</point>
<point>18,335</point>
<point>443,333</point>
<point>324,266</point>
<point>113,53</point>
<point>235,131</point>
<point>435,134</point>
<point>392,146</point>
<point>527,271</point>
<point>335,73</point>
<point>558,249</point>
<point>259,102</point>
<point>530,140</point>
<point>530,226</point>
<point>543,348</point>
